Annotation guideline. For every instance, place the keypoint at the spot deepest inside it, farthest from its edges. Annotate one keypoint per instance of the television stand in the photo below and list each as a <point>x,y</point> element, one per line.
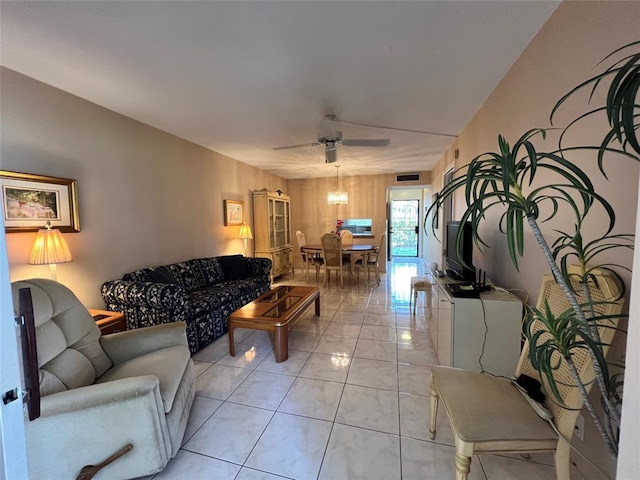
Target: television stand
<point>457,328</point>
<point>452,274</point>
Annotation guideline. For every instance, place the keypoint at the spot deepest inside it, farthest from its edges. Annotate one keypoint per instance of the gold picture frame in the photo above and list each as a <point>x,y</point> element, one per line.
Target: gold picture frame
<point>233,212</point>
<point>30,201</point>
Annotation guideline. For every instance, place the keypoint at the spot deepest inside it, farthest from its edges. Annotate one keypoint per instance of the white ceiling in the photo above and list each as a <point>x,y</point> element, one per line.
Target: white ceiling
<point>242,77</point>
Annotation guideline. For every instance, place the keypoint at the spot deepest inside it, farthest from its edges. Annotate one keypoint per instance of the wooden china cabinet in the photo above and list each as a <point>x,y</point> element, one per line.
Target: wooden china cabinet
<point>272,227</point>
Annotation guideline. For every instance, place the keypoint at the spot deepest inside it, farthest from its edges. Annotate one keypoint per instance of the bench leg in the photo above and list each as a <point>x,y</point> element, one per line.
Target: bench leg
<point>318,305</point>
<point>411,296</point>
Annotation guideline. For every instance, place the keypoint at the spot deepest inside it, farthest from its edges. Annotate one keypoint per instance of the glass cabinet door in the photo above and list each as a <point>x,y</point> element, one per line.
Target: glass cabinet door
<point>279,227</point>
<point>272,243</point>
<point>287,223</point>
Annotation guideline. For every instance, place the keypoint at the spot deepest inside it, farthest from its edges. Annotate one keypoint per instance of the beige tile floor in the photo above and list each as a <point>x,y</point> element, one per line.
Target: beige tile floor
<point>351,402</point>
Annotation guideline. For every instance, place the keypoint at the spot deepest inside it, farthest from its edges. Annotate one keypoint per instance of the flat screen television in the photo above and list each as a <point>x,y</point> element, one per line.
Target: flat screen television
<point>460,266</point>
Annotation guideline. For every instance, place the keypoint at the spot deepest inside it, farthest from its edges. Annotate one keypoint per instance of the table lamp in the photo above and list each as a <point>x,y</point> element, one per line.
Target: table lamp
<point>50,249</point>
<point>245,234</point>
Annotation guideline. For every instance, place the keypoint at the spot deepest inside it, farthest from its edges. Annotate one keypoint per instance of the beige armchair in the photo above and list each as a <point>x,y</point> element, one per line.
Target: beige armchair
<point>100,393</point>
<point>489,415</point>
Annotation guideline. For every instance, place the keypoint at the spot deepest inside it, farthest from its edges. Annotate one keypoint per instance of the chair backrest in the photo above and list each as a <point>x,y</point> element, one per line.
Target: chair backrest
<point>301,240</point>
<point>347,238</point>
<point>331,250</point>
<point>67,338</point>
<point>606,291</point>
<point>380,250</point>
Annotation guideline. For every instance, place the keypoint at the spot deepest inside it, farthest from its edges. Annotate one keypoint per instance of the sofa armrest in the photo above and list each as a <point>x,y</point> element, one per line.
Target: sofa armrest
<point>124,346</point>
<point>85,425</point>
<point>147,294</point>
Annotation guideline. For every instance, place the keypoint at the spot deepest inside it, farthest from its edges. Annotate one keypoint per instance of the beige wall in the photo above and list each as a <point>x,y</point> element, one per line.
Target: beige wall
<point>564,53</point>
<point>145,197</point>
<point>367,199</point>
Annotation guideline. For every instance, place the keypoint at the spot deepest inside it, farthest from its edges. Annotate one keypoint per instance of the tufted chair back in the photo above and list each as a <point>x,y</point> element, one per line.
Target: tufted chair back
<point>67,338</point>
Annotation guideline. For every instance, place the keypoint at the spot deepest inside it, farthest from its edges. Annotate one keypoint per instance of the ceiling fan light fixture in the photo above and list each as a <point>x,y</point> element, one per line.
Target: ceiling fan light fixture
<point>337,197</point>
<point>331,155</point>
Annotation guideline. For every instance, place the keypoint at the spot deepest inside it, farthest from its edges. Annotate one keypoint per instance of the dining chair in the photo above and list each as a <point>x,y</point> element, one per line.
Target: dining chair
<point>347,242</point>
<point>304,255</point>
<point>490,415</point>
<point>308,258</point>
<point>371,261</point>
<point>347,238</point>
<point>333,258</point>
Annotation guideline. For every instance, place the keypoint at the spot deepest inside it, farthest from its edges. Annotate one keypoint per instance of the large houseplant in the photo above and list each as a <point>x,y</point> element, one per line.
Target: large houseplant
<point>506,180</point>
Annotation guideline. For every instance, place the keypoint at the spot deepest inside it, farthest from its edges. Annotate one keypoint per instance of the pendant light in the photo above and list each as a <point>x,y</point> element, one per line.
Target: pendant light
<point>337,197</point>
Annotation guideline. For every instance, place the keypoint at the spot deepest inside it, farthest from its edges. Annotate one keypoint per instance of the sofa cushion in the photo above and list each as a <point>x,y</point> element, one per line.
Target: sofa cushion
<point>168,364</point>
<point>161,275</point>
<point>185,276</point>
<point>234,267</point>
<point>208,271</point>
<point>137,276</point>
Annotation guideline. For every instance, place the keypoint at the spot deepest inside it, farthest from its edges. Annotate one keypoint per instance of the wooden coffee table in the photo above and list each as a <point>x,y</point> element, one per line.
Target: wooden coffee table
<point>276,311</point>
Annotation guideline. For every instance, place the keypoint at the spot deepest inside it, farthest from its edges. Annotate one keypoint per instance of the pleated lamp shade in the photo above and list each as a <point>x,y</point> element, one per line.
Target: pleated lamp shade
<point>50,249</point>
<point>245,234</point>
<point>245,231</point>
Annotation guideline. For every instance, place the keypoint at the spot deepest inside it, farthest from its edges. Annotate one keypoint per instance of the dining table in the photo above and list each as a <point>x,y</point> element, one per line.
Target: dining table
<point>356,251</point>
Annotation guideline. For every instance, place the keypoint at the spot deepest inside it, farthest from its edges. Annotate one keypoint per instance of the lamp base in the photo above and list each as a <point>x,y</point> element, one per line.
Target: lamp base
<point>53,272</point>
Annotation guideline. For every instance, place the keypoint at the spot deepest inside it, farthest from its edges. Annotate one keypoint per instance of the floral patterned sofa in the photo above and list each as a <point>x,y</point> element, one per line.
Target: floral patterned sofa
<point>202,292</point>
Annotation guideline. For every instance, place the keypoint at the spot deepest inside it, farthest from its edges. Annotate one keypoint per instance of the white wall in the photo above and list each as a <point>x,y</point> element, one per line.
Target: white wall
<point>13,447</point>
<point>628,458</point>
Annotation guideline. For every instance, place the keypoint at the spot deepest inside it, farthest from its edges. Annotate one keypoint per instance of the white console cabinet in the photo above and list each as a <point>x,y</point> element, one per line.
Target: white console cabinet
<point>457,326</point>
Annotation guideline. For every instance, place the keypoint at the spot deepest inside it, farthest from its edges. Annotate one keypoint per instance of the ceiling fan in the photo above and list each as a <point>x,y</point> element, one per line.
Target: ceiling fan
<point>332,141</point>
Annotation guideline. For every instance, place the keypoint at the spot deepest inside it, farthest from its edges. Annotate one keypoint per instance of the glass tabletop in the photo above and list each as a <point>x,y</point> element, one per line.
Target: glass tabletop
<point>280,309</point>
<point>277,294</point>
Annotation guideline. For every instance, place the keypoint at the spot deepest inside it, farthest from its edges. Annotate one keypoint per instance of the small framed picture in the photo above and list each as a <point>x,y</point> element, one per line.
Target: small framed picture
<point>233,212</point>
<point>30,201</point>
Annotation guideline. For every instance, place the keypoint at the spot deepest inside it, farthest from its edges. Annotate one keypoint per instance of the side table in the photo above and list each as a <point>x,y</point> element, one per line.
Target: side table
<point>109,322</point>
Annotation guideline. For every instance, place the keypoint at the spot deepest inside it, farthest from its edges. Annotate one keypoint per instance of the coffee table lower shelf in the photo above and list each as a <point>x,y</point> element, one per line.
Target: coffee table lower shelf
<point>276,311</point>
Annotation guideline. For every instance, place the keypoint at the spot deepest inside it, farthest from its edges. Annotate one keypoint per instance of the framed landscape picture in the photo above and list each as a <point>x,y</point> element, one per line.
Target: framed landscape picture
<point>233,212</point>
<point>30,201</point>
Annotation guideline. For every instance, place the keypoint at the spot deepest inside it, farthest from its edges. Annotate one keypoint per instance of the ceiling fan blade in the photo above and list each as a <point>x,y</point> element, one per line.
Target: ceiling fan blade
<point>382,142</point>
<point>314,144</point>
<point>331,155</point>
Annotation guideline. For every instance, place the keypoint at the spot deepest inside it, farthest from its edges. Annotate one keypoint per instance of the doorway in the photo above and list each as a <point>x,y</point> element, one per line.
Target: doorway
<point>404,221</point>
